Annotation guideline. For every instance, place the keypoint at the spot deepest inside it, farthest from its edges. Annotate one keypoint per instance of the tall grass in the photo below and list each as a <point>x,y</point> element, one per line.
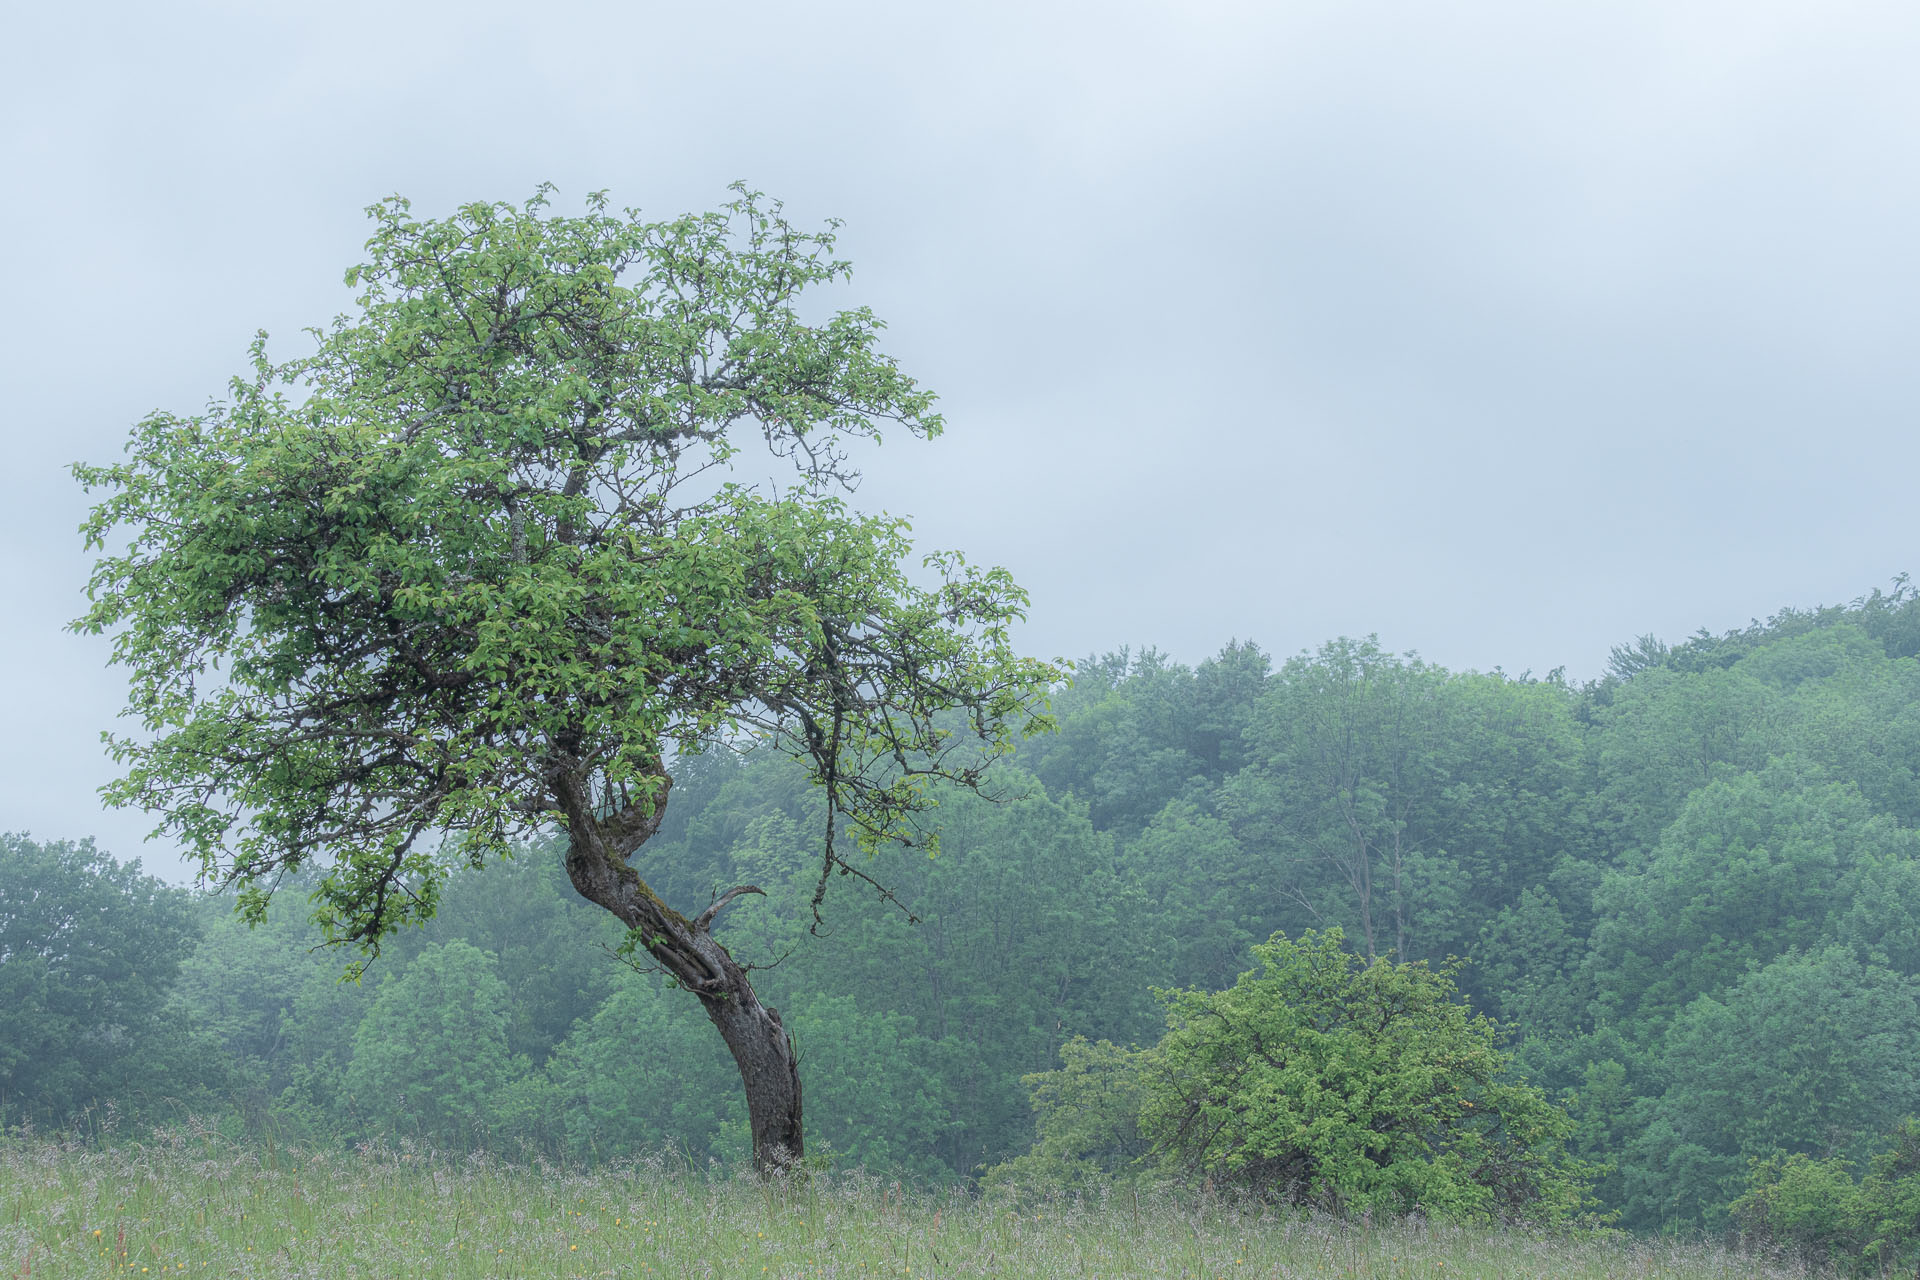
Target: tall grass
<point>189,1203</point>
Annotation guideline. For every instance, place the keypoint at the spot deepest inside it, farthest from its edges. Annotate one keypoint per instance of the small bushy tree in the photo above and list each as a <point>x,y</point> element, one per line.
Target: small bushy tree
<point>1320,1077</point>
<point>1816,1208</point>
<point>1087,1117</point>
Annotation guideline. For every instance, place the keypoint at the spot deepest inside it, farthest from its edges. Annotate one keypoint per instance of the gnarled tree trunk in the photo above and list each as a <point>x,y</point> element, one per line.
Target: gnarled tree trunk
<point>597,852</point>
<point>769,1071</point>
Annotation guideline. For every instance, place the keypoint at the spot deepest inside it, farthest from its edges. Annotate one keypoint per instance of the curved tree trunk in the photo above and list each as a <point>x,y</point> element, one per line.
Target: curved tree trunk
<point>769,1071</point>
<point>597,852</point>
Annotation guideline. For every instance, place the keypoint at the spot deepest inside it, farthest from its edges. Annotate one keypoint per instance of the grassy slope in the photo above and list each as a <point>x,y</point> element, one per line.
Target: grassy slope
<point>193,1206</point>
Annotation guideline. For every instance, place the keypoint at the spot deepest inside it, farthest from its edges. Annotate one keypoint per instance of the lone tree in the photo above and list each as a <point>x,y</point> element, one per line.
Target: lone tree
<point>479,566</point>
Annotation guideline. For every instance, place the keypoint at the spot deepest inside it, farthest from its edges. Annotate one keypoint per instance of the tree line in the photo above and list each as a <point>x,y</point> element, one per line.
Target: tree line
<point>1688,892</point>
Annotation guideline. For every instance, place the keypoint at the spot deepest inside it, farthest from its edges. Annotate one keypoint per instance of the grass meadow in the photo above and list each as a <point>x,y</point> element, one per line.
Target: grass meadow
<point>188,1203</point>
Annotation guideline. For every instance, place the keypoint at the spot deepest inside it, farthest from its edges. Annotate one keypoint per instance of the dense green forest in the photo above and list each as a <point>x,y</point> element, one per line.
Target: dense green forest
<point>1688,892</point>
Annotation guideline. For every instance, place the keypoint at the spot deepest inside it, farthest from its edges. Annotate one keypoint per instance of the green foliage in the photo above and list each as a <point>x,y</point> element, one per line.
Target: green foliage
<point>1882,922</point>
<point>1208,909</point>
<point>1691,892</point>
<point>1027,935</point>
<point>472,566</point>
<point>1404,803</point>
<point>605,1081</point>
<point>1668,733</point>
<point>1320,1077</point>
<point>476,570</point>
<point>1531,957</point>
<point>1344,741</point>
<point>1138,730</point>
<point>321,1026</point>
<point>89,948</point>
<point>1748,870</point>
<point>241,986</point>
<point>875,1091</point>
<point>548,946</point>
<point>1812,1054</point>
<point>1088,1120</point>
<point>432,1050</point>
<point>1817,1209</point>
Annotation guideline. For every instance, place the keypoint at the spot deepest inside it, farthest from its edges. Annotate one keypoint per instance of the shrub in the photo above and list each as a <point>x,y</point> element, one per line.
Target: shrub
<point>1815,1208</point>
<point>1323,1078</point>
<point>1087,1115</point>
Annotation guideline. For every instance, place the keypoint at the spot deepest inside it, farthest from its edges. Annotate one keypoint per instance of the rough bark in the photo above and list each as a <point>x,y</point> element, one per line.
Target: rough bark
<point>597,851</point>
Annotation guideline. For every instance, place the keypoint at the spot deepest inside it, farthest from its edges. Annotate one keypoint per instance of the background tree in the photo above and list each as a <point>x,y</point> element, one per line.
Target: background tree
<point>1812,1054</point>
<point>1087,1118</point>
<point>603,1082</point>
<point>549,947</point>
<point>240,986</point>
<point>432,1051</point>
<point>1734,985</point>
<point>1753,865</point>
<point>1130,738</point>
<point>1345,769</point>
<point>1026,937</point>
<point>89,948</point>
<point>476,566</point>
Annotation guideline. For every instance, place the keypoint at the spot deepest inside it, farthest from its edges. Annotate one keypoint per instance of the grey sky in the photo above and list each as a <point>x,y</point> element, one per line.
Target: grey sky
<point>1506,331</point>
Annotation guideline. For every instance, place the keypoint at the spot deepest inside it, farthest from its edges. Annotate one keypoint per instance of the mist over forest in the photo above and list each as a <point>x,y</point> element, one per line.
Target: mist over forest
<point>646,825</point>
<point>1688,892</point>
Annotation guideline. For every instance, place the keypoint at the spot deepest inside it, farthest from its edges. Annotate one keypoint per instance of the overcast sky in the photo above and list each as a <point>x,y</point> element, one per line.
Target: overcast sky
<point>1505,331</point>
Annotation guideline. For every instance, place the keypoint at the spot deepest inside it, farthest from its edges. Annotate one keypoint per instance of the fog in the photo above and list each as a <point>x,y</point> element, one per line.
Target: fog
<point>1507,332</point>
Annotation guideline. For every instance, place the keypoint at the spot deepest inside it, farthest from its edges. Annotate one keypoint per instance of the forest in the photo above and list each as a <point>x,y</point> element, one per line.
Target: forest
<point>1686,893</point>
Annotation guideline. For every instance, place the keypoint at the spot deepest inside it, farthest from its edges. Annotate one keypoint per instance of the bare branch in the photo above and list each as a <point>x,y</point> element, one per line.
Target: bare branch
<point>704,921</point>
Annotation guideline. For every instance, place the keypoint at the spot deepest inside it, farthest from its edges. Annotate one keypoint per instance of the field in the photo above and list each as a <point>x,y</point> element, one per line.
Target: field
<point>193,1205</point>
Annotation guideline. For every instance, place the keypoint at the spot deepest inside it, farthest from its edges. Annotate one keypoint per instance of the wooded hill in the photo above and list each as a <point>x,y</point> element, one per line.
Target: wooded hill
<point>1689,892</point>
